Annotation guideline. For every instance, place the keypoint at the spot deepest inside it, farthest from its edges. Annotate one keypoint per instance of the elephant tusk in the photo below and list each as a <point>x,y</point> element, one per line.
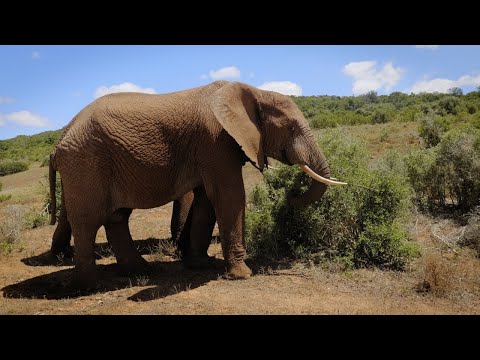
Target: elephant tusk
<point>319,178</point>
<point>270,167</point>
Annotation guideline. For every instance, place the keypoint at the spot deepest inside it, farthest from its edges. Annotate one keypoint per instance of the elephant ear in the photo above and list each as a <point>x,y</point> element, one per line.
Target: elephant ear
<point>236,109</point>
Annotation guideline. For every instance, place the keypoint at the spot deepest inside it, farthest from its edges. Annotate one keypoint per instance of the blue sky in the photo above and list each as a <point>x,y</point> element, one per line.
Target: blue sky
<point>44,87</point>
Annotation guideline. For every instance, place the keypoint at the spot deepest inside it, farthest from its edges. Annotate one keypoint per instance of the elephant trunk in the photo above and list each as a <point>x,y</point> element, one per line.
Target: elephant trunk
<point>320,174</point>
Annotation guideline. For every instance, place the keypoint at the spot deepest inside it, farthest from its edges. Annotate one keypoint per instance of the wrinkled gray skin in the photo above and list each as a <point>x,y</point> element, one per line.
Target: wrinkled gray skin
<point>131,150</point>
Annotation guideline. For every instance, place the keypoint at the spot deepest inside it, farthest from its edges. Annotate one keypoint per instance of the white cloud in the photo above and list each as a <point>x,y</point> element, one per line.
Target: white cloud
<point>282,87</point>
<point>443,85</point>
<point>35,55</point>
<point>6,100</point>
<point>225,72</point>
<point>430,47</point>
<point>123,87</point>
<point>24,118</point>
<point>366,76</point>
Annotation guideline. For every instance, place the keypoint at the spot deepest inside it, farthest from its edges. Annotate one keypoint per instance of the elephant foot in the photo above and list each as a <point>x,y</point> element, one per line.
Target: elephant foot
<point>137,267</point>
<point>201,262</point>
<point>238,270</point>
<point>85,279</point>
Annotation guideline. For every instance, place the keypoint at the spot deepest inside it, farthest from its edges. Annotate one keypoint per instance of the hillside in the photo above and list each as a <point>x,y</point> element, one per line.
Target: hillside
<point>321,112</point>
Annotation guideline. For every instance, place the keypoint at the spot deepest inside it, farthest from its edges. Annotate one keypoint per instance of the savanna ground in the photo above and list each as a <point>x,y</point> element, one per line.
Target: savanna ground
<point>445,279</point>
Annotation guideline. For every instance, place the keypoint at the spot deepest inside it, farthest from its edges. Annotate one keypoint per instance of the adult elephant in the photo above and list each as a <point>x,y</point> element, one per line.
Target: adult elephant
<point>132,150</point>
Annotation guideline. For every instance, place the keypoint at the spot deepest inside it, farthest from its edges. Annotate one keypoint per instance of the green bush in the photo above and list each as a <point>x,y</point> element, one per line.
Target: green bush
<point>431,128</point>
<point>4,197</point>
<point>362,224</point>
<point>12,167</point>
<point>471,108</point>
<point>448,105</point>
<point>459,156</point>
<point>448,174</point>
<point>34,219</point>
<point>426,179</point>
<point>45,161</point>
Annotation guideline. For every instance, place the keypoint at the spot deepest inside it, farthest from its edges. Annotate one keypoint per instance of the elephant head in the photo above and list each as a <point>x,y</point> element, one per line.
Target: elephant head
<point>269,124</point>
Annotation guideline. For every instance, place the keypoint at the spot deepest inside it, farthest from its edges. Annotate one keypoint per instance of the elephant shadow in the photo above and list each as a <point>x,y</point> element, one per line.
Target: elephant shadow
<point>167,278</point>
<point>179,282</point>
<point>102,250</point>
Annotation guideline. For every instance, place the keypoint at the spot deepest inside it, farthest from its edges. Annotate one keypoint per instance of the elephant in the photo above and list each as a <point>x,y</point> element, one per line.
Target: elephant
<point>125,151</point>
<point>179,233</point>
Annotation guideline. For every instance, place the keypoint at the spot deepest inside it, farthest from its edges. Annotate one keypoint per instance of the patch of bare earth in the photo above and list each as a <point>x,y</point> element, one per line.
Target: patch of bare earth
<point>445,280</point>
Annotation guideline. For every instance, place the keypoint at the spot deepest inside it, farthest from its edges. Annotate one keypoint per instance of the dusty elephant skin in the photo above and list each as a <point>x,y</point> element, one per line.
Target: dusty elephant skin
<point>127,151</point>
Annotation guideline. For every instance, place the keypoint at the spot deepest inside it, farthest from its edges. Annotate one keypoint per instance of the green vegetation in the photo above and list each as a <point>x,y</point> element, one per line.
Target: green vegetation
<point>360,225</point>
<point>4,197</point>
<point>29,148</point>
<point>34,219</point>
<point>330,111</point>
<point>448,174</point>
<point>12,167</point>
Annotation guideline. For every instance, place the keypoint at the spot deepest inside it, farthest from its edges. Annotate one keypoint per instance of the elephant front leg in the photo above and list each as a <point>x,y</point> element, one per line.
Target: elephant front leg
<point>118,235</point>
<point>229,203</point>
<point>202,223</point>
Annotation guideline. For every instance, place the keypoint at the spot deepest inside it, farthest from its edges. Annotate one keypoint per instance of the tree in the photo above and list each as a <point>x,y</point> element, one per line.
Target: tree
<point>371,96</point>
<point>456,91</point>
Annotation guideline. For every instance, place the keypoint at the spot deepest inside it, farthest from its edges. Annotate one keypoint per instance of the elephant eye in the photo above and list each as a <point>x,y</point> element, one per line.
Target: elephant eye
<point>291,128</point>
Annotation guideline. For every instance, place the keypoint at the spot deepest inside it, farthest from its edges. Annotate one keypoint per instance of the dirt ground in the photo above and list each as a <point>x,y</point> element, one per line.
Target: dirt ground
<point>444,280</point>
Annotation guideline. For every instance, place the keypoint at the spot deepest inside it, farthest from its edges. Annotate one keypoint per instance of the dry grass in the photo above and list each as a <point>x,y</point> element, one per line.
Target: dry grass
<point>383,137</point>
<point>25,187</point>
<point>11,225</point>
<point>449,275</point>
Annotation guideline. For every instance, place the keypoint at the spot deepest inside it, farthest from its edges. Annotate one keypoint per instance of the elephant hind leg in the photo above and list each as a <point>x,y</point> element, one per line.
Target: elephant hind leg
<point>203,221</point>
<point>181,209</point>
<point>182,221</point>
<point>118,235</point>
<point>85,275</point>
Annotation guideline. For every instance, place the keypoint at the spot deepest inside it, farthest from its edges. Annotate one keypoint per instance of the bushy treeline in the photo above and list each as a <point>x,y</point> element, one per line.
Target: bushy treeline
<point>329,111</point>
<point>29,148</point>
<point>12,167</point>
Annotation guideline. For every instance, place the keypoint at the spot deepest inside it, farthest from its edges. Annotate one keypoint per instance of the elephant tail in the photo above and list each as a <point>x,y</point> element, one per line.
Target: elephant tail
<point>52,178</point>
